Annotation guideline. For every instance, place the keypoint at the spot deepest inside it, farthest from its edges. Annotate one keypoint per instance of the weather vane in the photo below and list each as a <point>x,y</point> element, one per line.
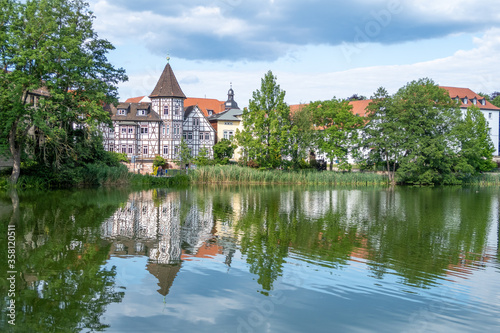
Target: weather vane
<point>168,57</point>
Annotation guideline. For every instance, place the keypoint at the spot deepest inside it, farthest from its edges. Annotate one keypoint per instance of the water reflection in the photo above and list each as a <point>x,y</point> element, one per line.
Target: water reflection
<point>407,240</point>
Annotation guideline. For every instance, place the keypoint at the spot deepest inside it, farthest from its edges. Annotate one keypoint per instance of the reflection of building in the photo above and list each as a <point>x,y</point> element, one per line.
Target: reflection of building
<point>167,227</point>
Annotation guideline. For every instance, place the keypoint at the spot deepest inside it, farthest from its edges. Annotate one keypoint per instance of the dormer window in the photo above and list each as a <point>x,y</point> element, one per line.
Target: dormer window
<point>210,112</point>
<point>474,101</point>
<point>122,112</point>
<point>141,112</point>
<point>483,101</point>
<point>466,100</point>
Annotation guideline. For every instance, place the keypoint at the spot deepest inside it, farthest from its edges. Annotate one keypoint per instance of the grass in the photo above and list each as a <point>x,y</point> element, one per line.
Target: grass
<point>243,175</point>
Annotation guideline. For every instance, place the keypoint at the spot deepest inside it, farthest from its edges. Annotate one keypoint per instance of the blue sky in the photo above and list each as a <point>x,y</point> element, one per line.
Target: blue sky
<point>318,49</point>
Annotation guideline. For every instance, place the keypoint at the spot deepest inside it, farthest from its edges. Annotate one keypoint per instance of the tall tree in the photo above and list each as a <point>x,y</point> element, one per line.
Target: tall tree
<point>266,125</point>
<point>302,135</point>
<point>427,117</point>
<point>51,51</point>
<point>338,129</point>
<point>382,137</point>
<point>476,148</point>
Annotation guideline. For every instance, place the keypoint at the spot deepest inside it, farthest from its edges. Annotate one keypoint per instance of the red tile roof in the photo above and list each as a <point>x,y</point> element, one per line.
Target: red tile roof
<point>134,99</point>
<point>358,107</point>
<point>205,104</point>
<point>466,92</point>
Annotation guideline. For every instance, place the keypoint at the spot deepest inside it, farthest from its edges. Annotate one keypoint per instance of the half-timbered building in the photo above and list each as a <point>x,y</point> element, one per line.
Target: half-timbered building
<point>146,127</point>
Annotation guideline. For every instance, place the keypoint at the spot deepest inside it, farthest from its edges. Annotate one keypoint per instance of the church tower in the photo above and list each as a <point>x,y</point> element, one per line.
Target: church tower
<point>230,103</point>
<point>167,100</point>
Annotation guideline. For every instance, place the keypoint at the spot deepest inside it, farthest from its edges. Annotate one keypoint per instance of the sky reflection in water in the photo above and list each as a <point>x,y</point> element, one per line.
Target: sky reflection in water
<point>253,259</point>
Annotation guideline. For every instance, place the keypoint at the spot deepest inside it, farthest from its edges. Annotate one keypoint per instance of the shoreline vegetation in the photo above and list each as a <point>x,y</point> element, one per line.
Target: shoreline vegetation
<point>101,175</point>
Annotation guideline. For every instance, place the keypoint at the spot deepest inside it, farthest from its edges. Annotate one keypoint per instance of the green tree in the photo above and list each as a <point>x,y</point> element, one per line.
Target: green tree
<point>302,135</point>
<point>266,125</point>
<point>496,101</point>
<point>223,151</point>
<point>382,137</point>
<point>476,150</point>
<point>50,50</point>
<point>338,129</point>
<point>184,157</point>
<point>203,157</point>
<point>427,117</point>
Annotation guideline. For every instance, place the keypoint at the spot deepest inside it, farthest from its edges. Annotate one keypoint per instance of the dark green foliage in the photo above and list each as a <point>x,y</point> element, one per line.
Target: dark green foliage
<point>420,135</point>
<point>49,52</point>
<point>223,151</point>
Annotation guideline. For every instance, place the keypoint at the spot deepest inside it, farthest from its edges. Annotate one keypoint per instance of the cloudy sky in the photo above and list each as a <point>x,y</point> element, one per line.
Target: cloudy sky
<point>318,49</point>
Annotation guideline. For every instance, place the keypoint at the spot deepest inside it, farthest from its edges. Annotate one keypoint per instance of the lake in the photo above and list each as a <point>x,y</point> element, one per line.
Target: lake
<point>252,259</point>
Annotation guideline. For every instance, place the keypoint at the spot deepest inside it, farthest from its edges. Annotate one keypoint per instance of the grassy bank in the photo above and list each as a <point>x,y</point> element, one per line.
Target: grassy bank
<point>90,175</point>
<point>236,174</point>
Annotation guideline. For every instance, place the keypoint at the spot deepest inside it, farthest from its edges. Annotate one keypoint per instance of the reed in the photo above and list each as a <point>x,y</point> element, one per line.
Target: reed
<point>243,175</point>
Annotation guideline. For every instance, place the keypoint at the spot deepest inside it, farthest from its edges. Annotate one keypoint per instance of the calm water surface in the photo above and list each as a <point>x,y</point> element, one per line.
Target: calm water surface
<point>254,259</point>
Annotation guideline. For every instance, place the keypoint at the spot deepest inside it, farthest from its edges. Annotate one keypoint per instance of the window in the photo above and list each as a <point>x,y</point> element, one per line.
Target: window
<point>483,101</point>
<point>141,112</point>
<point>111,148</point>
<point>490,115</point>
<point>207,136</point>
<point>176,150</point>
<point>228,135</point>
<point>474,101</point>
<point>145,150</point>
<point>201,136</point>
<point>165,110</point>
<point>465,100</point>
<point>144,129</point>
<point>124,149</point>
<point>122,112</point>
<point>168,129</point>
<point>131,129</point>
<point>190,135</point>
<point>184,135</point>
<point>124,129</point>
<point>210,112</point>
<point>196,121</point>
<point>228,123</point>
<point>165,150</point>
<point>130,149</point>
<point>163,129</point>
<point>111,130</point>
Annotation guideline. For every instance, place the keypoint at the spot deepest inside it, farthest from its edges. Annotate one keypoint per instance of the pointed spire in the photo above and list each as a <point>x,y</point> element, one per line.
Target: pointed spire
<point>167,85</point>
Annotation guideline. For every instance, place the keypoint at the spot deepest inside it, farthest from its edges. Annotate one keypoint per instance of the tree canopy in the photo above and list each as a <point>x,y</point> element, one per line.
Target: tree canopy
<point>266,125</point>
<point>421,136</point>
<point>54,81</point>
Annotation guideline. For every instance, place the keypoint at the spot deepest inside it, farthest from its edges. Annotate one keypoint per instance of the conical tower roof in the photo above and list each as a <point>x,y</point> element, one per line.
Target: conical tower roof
<point>167,85</point>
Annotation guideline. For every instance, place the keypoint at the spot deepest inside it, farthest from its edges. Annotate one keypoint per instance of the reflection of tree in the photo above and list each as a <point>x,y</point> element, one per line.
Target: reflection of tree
<point>419,234</point>
<point>61,286</point>
<point>426,231</point>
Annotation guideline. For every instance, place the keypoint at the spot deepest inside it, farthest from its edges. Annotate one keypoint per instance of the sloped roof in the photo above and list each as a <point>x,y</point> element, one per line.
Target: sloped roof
<point>132,112</point>
<point>138,99</point>
<point>167,85</point>
<point>205,104</point>
<point>358,107</point>
<point>461,93</point>
<point>229,115</point>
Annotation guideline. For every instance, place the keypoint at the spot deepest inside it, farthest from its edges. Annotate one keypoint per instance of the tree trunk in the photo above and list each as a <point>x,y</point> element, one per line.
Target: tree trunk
<point>15,150</point>
<point>331,164</point>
